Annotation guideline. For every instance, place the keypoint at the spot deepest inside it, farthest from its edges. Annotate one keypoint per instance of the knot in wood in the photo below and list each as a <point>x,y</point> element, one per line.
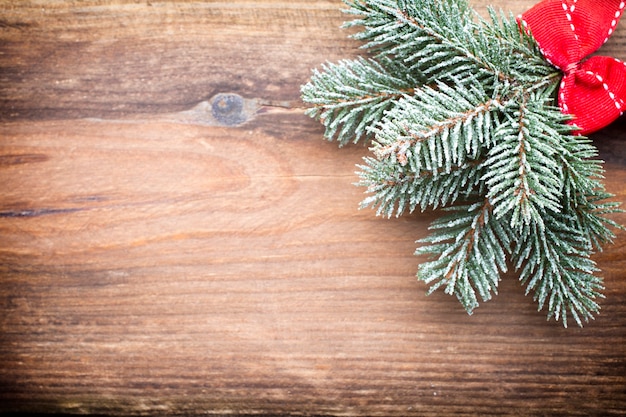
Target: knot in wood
<point>228,109</point>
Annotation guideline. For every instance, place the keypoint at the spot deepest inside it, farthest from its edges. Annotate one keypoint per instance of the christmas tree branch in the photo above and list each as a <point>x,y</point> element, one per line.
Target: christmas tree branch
<point>523,171</point>
<point>556,265</point>
<point>350,96</point>
<point>461,113</point>
<point>437,128</point>
<point>443,40</point>
<point>394,188</point>
<point>524,62</point>
<point>471,250</point>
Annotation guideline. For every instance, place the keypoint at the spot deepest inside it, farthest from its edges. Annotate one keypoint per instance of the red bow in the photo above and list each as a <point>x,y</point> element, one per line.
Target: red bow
<point>593,91</point>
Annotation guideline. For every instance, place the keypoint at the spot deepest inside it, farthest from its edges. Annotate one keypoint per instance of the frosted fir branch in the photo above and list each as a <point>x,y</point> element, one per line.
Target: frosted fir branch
<point>462,116</point>
<point>353,95</point>
<point>388,24</point>
<point>584,193</point>
<point>583,171</point>
<point>555,264</point>
<point>523,59</point>
<point>591,219</point>
<point>436,129</point>
<point>433,37</point>
<point>442,40</point>
<point>470,247</point>
<point>394,189</point>
<point>524,174</point>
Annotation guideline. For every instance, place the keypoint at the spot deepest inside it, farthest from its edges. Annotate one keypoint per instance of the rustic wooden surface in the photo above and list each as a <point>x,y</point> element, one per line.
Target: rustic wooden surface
<point>177,238</point>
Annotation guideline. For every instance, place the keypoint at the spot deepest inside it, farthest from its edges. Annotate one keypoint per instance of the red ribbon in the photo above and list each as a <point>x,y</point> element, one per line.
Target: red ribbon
<point>567,31</point>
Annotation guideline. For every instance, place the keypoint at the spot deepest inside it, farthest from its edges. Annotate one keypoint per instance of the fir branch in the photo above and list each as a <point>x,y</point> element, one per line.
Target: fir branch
<point>556,265</point>
<point>433,37</point>
<point>471,249</point>
<point>462,116</point>
<point>395,189</point>
<point>524,175</point>
<point>423,42</point>
<point>584,193</point>
<point>387,24</point>
<point>428,149</point>
<point>442,40</point>
<point>351,96</point>
<point>591,219</point>
<point>436,129</point>
<point>523,60</point>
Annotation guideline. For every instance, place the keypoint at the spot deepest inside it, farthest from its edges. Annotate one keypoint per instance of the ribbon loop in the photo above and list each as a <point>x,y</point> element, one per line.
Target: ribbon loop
<point>567,31</point>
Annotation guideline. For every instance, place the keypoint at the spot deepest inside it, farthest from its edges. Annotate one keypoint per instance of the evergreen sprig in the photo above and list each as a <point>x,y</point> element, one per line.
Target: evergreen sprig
<point>346,105</point>
<point>460,114</point>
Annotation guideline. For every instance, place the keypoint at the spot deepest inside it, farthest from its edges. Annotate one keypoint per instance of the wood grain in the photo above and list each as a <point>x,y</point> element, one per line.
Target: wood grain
<point>176,238</point>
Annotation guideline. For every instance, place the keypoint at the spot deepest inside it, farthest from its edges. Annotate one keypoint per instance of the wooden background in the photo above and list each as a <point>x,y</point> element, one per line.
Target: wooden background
<point>177,238</point>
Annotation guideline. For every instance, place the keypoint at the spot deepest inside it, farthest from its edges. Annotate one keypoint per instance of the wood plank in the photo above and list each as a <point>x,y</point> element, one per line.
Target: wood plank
<point>176,237</point>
